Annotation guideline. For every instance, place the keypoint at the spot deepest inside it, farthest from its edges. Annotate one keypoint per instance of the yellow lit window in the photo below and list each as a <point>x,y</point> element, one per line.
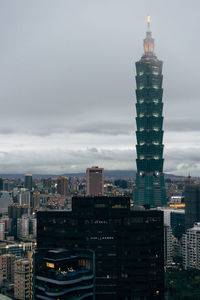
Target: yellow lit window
<point>50,265</point>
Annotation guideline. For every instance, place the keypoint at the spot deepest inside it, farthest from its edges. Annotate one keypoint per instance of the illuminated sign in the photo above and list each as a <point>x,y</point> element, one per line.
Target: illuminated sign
<point>177,205</point>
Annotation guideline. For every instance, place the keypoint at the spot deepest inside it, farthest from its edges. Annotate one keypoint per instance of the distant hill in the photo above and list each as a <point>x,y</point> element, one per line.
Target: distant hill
<point>115,174</point>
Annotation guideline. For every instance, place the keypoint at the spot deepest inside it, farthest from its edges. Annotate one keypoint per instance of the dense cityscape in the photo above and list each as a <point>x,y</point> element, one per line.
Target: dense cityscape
<point>23,198</point>
<point>105,234</point>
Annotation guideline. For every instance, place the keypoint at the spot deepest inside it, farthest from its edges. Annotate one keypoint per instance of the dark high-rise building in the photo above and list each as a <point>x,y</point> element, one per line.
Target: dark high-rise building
<point>128,245</point>
<point>28,182</point>
<point>1,184</point>
<point>61,274</point>
<point>178,223</point>
<point>192,205</point>
<point>150,187</point>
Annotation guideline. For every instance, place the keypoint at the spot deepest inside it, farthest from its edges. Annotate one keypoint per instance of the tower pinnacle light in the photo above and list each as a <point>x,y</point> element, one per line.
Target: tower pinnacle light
<point>150,187</point>
<point>148,21</point>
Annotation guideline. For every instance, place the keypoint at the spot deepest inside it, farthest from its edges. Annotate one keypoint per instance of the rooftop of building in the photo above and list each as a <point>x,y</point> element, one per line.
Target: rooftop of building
<point>171,209</point>
<point>60,254</point>
<point>3,297</point>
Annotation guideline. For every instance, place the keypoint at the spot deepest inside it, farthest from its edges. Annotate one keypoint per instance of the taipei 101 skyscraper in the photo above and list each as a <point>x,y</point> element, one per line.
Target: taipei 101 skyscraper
<point>150,185</point>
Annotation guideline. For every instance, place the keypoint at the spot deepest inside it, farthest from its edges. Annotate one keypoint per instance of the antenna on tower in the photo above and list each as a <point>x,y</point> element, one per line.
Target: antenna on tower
<point>148,22</point>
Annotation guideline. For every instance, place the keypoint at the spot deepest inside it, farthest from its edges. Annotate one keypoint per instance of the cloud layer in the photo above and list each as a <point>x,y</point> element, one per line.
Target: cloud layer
<point>67,83</point>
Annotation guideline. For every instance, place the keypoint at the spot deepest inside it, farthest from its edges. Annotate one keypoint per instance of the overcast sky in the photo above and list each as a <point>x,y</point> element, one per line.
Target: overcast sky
<point>67,83</point>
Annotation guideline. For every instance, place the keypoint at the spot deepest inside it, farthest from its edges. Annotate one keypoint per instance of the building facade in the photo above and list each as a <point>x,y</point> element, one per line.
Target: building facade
<point>192,205</point>
<point>28,181</point>
<point>23,227</point>
<point>150,186</point>
<point>62,185</point>
<point>7,262</point>
<point>2,231</point>
<point>95,181</point>
<point>61,274</point>
<point>191,248</point>
<point>128,245</point>
<point>22,279</point>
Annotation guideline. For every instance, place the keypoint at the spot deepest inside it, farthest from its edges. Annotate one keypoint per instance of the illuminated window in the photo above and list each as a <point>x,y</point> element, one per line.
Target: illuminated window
<point>141,87</point>
<point>141,129</point>
<point>155,115</point>
<point>141,100</point>
<point>155,143</point>
<point>155,101</point>
<point>156,157</point>
<point>50,265</point>
<point>141,156</point>
<point>141,115</point>
<point>142,143</point>
<point>157,292</point>
<point>156,129</point>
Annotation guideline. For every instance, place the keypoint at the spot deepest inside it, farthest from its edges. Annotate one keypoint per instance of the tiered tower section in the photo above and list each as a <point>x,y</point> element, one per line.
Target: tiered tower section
<point>150,186</point>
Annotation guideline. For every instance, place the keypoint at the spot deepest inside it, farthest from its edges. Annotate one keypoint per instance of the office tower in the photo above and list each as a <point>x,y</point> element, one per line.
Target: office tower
<point>192,205</point>
<point>22,279</point>
<point>7,262</point>
<point>23,227</point>
<point>64,274</point>
<point>150,186</point>
<point>16,211</point>
<point>36,200</point>
<point>24,197</point>
<point>47,182</point>
<point>33,227</point>
<point>95,181</point>
<point>8,185</point>
<point>191,248</point>
<point>168,240</point>
<point>28,181</point>
<point>62,185</point>
<point>5,200</point>
<point>5,219</point>
<point>2,231</point>
<point>1,184</point>
<point>167,245</point>
<point>128,245</point>
<point>178,223</point>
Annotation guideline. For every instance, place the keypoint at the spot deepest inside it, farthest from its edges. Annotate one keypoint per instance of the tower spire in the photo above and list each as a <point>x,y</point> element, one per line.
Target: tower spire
<point>148,23</point>
<point>148,41</point>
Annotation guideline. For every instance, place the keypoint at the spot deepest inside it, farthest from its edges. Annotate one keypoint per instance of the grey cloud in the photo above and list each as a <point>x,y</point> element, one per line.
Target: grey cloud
<point>105,128</point>
<point>93,150</point>
<point>60,161</point>
<point>97,128</point>
<point>67,69</point>
<point>183,161</point>
<point>182,125</point>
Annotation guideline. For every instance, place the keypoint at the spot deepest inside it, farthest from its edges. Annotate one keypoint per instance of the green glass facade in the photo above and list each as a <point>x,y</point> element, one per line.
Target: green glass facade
<point>150,186</point>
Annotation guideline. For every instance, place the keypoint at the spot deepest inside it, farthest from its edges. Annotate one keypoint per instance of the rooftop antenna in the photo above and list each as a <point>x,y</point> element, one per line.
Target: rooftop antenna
<point>148,22</point>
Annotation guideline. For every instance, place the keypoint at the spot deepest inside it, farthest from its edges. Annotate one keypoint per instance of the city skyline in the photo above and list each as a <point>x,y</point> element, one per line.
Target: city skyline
<point>68,81</point>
